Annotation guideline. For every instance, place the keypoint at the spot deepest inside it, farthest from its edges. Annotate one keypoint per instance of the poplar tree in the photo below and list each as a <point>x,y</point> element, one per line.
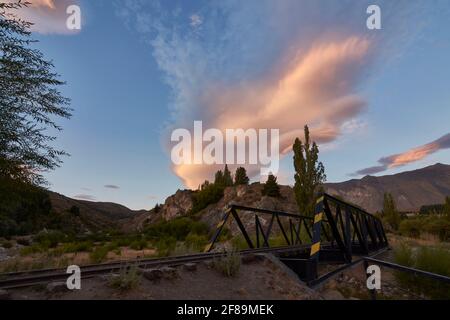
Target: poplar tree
<point>309,174</point>
<point>390,212</point>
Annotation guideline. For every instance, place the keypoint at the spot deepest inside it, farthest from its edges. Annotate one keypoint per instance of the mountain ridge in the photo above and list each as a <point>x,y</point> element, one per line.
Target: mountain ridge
<point>410,189</point>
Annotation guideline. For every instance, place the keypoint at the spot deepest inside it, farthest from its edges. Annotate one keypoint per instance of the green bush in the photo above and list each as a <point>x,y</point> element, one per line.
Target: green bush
<point>73,247</point>
<point>209,194</point>
<point>240,243</point>
<point>229,265</point>
<point>165,246</point>
<point>439,227</point>
<point>411,227</point>
<point>35,248</point>
<point>138,244</point>
<point>195,241</point>
<point>50,239</point>
<point>99,254</point>
<point>128,279</point>
<point>178,228</point>
<point>435,260</point>
<point>415,227</point>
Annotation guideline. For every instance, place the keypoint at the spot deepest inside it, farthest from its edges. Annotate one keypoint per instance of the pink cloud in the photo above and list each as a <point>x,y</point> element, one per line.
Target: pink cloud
<point>314,87</point>
<point>407,157</point>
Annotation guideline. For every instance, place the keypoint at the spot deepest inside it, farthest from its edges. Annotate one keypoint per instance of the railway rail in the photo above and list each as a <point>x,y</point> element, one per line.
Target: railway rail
<point>35,277</point>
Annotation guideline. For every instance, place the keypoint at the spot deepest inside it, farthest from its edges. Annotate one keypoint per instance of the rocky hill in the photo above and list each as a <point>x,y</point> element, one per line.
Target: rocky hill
<point>411,189</point>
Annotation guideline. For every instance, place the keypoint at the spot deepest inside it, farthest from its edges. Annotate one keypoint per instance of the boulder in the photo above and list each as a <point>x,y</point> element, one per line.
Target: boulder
<point>169,273</point>
<point>177,205</point>
<point>152,274</point>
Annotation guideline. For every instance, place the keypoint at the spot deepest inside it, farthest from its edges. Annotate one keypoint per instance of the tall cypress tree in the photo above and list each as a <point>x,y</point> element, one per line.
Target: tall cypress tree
<point>390,213</point>
<point>227,179</point>
<point>309,174</point>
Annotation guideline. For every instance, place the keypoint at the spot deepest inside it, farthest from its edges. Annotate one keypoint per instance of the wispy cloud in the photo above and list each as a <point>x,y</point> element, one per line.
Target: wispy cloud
<point>196,20</point>
<point>410,156</point>
<point>265,64</point>
<point>47,16</point>
<point>85,197</point>
<point>111,186</point>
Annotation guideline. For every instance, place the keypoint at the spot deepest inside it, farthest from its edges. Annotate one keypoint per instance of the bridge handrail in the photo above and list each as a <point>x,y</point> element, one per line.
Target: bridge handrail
<point>267,211</point>
<point>326,195</point>
<point>399,267</point>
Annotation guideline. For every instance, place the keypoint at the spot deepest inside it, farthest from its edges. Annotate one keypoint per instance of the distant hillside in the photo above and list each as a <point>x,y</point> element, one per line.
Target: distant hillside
<point>411,189</point>
<point>93,215</point>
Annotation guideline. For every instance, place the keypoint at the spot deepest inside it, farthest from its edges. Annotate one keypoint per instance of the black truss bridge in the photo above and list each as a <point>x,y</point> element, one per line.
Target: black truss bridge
<point>336,234</point>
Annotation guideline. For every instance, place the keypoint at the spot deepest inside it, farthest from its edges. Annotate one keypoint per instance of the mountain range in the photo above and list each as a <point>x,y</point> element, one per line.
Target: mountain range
<point>410,189</point>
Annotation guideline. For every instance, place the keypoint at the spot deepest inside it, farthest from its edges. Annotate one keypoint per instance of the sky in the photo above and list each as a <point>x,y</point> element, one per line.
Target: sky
<point>376,101</point>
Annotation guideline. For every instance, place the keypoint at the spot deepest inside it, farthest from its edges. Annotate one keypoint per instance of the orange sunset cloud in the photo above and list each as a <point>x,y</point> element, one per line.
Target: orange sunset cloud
<point>410,156</point>
<point>315,87</point>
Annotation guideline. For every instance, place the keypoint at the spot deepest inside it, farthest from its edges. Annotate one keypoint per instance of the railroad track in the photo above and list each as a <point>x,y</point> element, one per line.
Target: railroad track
<point>36,277</point>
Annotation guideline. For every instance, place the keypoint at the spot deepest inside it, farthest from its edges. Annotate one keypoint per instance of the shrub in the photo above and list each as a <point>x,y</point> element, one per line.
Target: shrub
<point>6,244</point>
<point>209,194</point>
<point>439,227</point>
<point>49,239</point>
<point>75,211</point>
<point>35,248</point>
<point>128,279</point>
<point>138,244</point>
<point>182,248</point>
<point>165,245</point>
<point>99,254</point>
<point>229,265</point>
<point>435,260</point>
<point>178,228</point>
<point>411,227</point>
<point>415,227</point>
<point>195,241</point>
<point>73,247</point>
